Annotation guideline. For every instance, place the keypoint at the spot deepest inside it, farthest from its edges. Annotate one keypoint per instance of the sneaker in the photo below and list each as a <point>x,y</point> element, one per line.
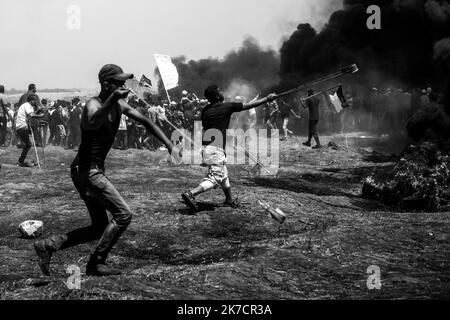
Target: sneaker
<point>24,164</point>
<point>234,204</point>
<point>283,139</point>
<point>319,146</point>
<point>101,270</point>
<point>44,253</point>
<point>308,144</point>
<point>189,199</point>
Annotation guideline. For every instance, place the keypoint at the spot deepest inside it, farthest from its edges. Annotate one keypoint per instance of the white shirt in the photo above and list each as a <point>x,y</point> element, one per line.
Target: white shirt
<point>11,115</point>
<point>123,122</point>
<point>24,110</point>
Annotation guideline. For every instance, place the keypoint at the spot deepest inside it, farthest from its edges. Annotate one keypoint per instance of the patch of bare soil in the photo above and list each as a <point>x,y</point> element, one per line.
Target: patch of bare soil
<point>322,251</point>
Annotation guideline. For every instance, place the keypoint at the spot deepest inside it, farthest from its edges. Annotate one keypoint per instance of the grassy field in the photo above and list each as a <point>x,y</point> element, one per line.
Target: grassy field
<point>322,251</point>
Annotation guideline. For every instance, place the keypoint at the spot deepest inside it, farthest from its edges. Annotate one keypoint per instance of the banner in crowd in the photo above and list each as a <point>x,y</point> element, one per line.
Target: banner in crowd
<point>338,100</point>
<point>168,71</point>
<point>142,87</point>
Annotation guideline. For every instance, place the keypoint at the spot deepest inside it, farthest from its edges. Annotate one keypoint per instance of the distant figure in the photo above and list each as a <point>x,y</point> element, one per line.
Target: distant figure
<point>10,127</point>
<point>58,122</point>
<point>285,112</point>
<point>31,90</point>
<point>43,123</point>
<point>122,133</point>
<point>313,108</point>
<point>270,114</point>
<point>25,113</point>
<point>51,123</point>
<point>4,116</point>
<point>74,137</point>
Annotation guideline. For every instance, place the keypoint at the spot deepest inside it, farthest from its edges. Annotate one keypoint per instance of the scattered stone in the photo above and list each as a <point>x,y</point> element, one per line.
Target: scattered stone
<point>31,229</point>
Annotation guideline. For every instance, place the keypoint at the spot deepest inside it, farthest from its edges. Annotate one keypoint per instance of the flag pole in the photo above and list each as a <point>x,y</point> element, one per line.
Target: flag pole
<point>35,150</point>
<point>164,85</point>
<point>168,97</point>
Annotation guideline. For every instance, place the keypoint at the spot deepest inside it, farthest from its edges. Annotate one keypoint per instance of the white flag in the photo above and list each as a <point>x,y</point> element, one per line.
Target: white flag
<point>168,71</point>
<point>336,102</point>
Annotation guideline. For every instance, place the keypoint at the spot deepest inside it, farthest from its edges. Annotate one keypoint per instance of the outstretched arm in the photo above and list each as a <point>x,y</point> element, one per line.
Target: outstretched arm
<point>259,102</point>
<point>149,125</point>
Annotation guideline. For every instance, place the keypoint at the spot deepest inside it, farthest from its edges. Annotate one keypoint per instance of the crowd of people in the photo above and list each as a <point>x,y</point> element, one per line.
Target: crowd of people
<point>382,111</point>
<point>58,122</point>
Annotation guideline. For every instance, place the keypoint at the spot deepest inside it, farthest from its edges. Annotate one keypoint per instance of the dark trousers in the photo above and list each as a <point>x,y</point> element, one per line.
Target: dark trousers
<point>24,135</point>
<point>122,142</point>
<point>99,195</point>
<point>3,124</point>
<point>74,138</point>
<point>43,132</point>
<point>52,137</point>
<point>133,138</point>
<point>312,131</point>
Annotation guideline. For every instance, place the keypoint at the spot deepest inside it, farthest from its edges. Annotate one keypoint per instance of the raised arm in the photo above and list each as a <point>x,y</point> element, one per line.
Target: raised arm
<point>259,102</point>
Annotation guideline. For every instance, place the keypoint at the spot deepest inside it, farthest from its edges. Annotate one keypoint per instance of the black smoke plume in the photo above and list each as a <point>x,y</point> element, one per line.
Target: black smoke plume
<point>249,66</point>
<point>408,50</point>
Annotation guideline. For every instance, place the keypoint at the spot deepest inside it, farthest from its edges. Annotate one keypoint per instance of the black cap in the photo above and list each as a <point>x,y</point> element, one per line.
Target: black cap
<point>113,72</point>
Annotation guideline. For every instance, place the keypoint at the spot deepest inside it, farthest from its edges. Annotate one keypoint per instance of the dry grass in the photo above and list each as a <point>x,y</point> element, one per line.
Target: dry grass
<point>322,251</point>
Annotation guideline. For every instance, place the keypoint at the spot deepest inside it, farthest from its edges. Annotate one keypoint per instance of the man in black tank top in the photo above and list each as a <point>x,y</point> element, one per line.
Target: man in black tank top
<point>99,123</point>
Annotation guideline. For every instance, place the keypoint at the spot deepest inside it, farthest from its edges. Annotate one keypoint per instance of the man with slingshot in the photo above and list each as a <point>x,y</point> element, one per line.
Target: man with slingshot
<point>100,121</point>
<point>216,118</point>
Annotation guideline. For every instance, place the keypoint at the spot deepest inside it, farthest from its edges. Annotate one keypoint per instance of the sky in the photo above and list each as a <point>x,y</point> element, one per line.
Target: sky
<point>37,45</point>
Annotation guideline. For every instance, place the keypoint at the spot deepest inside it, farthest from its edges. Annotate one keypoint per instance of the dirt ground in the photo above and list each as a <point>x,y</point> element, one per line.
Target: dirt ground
<point>322,251</point>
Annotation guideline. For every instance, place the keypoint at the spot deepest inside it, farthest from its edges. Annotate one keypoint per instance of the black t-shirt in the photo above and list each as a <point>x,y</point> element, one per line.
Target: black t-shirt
<point>217,116</point>
<point>313,106</point>
<point>285,110</point>
<point>75,116</point>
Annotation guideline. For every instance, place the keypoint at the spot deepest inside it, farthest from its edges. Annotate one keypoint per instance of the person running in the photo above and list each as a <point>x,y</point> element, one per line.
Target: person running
<point>285,112</point>
<point>99,124</point>
<point>74,136</point>
<point>216,116</point>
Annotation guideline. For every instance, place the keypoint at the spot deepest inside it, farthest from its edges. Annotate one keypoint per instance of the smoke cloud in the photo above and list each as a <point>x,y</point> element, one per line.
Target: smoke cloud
<point>403,51</point>
<point>242,88</point>
<point>250,66</point>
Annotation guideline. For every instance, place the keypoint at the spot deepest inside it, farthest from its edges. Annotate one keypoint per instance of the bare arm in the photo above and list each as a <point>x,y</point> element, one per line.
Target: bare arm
<point>149,125</point>
<point>259,102</point>
<point>96,112</point>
